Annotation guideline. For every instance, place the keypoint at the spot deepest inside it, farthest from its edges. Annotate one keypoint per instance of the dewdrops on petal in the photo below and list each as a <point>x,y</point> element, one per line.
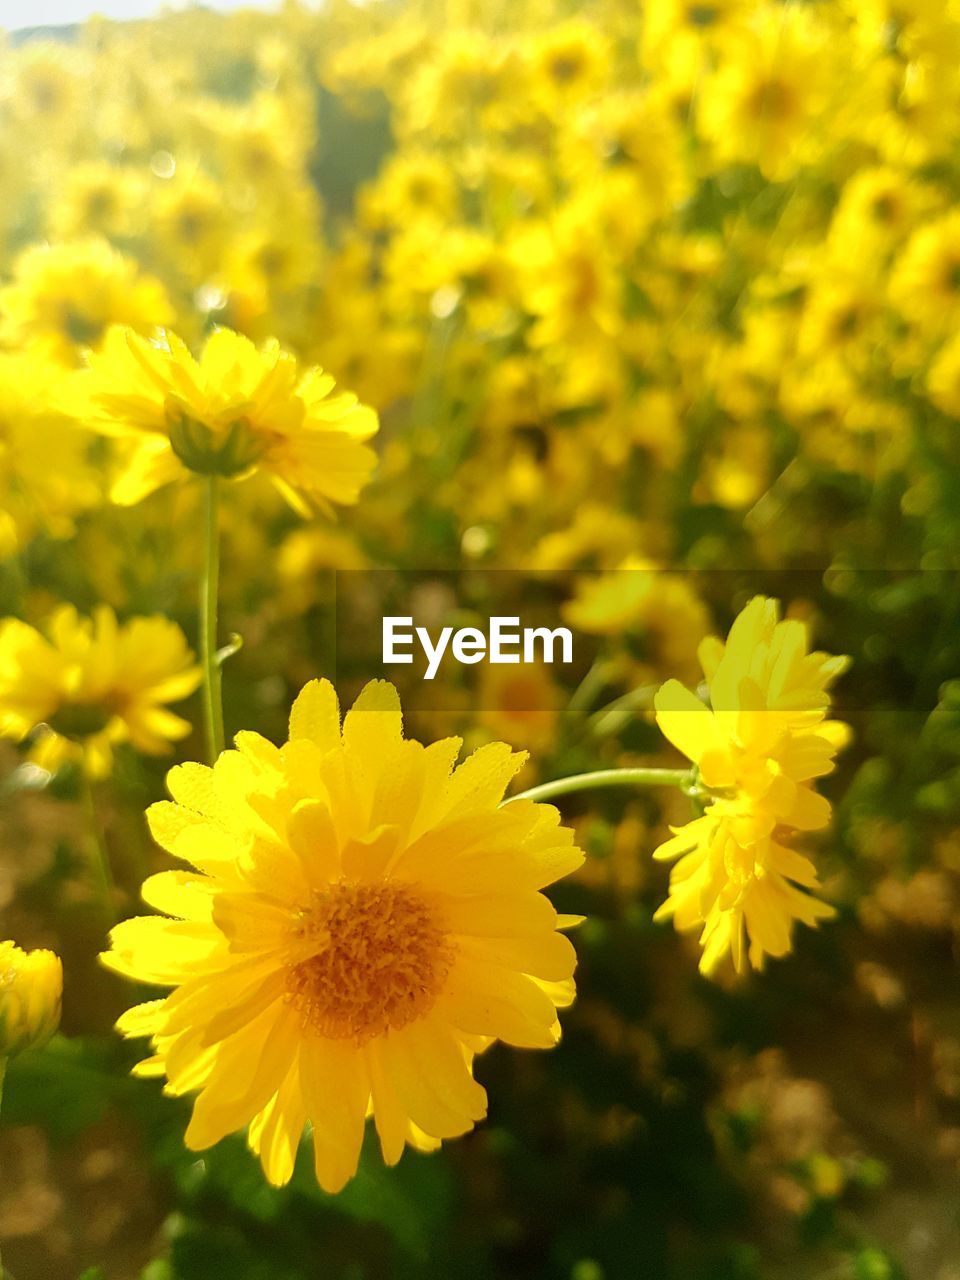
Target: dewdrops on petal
<point>31,987</point>
<point>233,411</point>
<point>358,919</point>
<point>758,749</point>
<point>84,685</point>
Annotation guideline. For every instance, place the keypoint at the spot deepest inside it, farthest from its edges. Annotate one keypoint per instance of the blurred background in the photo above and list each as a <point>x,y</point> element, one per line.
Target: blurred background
<point>658,306</point>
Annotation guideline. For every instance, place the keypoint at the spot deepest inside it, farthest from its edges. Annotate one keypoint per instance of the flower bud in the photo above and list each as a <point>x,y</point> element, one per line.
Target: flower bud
<point>229,451</point>
<point>31,985</point>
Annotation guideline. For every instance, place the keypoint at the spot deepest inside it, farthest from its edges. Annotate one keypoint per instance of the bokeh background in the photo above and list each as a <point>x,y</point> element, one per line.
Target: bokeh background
<point>658,305</point>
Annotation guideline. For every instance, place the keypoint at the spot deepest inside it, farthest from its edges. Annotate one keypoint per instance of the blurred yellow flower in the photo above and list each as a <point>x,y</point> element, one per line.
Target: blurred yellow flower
<point>569,61</point>
<point>43,85</point>
<point>758,749</point>
<point>63,299</point>
<point>34,495</point>
<point>943,380</point>
<point>234,411</point>
<point>759,105</point>
<point>640,598</point>
<point>31,986</point>
<point>91,683</point>
<point>97,198</point>
<point>357,923</point>
<point>926,280</point>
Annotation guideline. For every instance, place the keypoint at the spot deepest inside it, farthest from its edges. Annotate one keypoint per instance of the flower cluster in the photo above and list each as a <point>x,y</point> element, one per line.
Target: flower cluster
<point>757,748</point>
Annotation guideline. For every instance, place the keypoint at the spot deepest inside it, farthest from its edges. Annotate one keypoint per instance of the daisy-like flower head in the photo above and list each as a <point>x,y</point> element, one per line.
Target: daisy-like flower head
<point>91,683</point>
<point>63,299</point>
<point>359,918</point>
<point>758,748</point>
<point>33,494</point>
<point>234,411</point>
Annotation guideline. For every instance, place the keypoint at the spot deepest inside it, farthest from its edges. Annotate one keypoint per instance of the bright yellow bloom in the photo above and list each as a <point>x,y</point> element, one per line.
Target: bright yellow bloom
<point>33,494</point>
<point>97,198</point>
<point>359,919</point>
<point>943,380</point>
<point>759,746</point>
<point>926,280</point>
<point>43,85</point>
<point>569,62</point>
<point>760,105</point>
<point>31,986</point>
<point>91,683</point>
<point>64,298</point>
<point>663,608</point>
<point>234,411</point>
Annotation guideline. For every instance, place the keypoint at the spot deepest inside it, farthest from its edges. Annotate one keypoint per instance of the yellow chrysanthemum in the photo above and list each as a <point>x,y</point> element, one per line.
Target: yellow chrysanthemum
<point>33,494</point>
<point>926,280</point>
<point>64,298</point>
<point>31,988</point>
<point>234,411</point>
<point>360,918</point>
<point>772,83</point>
<point>943,379</point>
<point>759,747</point>
<point>92,684</point>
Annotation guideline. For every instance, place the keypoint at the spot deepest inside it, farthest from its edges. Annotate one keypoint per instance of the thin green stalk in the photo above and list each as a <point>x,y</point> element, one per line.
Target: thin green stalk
<point>639,777</point>
<point>100,856</point>
<point>614,715</point>
<point>3,1072</point>
<point>209,590</point>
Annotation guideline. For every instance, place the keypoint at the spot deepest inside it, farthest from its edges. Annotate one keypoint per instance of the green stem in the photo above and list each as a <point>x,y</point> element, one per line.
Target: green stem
<point>100,856</point>
<point>3,1072</point>
<point>209,588</point>
<point>682,778</point>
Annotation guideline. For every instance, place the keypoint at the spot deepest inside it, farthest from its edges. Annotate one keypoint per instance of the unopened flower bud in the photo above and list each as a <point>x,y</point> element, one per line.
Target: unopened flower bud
<point>31,985</point>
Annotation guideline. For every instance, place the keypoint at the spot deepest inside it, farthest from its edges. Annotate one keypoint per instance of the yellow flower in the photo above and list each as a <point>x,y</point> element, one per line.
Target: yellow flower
<point>470,80</point>
<point>92,684</point>
<point>569,62</point>
<point>943,380</point>
<point>926,279</point>
<point>234,411</point>
<point>637,597</point>
<point>758,748</point>
<point>43,86</point>
<point>189,222</point>
<point>760,105</point>
<point>64,298</point>
<point>97,198</point>
<point>31,985</point>
<point>33,494</point>
<point>358,920</point>
<point>520,704</point>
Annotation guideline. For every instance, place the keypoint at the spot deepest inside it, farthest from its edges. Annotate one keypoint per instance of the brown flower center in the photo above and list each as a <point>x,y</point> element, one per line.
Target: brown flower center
<point>382,959</point>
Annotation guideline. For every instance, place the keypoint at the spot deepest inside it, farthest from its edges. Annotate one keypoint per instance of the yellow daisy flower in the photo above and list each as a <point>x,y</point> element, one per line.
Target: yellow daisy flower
<point>234,411</point>
<point>773,81</point>
<point>64,298</point>
<point>359,919</point>
<point>91,683</point>
<point>758,747</point>
<point>926,280</point>
<point>33,494</point>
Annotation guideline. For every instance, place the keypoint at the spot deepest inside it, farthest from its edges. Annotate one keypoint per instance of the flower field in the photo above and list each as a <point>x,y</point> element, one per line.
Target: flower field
<point>342,348</point>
